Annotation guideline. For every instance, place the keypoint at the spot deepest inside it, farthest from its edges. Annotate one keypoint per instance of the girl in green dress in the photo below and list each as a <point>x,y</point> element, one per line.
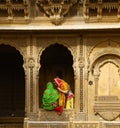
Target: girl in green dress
<point>50,97</point>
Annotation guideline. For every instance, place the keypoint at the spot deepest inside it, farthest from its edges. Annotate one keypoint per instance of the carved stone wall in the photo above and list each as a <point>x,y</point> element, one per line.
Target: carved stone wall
<point>95,56</point>
<point>40,12</point>
<point>103,53</point>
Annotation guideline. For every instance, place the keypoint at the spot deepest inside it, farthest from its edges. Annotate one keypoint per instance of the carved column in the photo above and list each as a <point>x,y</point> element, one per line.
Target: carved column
<point>32,89</point>
<point>77,86</point>
<point>81,66</point>
<point>29,66</point>
<point>76,77</point>
<point>26,88</point>
<point>37,87</point>
<point>31,63</point>
<point>33,78</point>
<point>86,91</point>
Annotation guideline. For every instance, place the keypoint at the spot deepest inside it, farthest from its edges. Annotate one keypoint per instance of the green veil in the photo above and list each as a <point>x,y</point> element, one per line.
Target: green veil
<point>50,96</point>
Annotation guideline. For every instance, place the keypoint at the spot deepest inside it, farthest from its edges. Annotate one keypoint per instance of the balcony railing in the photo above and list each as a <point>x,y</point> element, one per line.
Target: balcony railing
<point>13,9</point>
<point>22,11</point>
<point>102,10</point>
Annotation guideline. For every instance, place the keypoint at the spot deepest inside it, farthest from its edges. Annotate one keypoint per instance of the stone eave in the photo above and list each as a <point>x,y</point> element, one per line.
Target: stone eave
<point>82,26</point>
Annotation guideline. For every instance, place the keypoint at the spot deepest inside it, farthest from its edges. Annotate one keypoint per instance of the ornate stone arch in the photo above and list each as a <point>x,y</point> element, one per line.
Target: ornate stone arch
<point>107,111</point>
<point>12,44</point>
<point>101,107</point>
<point>68,41</point>
<point>52,44</point>
<point>115,62</point>
<point>102,54</point>
<point>19,45</point>
<point>106,43</point>
<point>101,59</point>
<point>108,47</point>
<point>72,51</point>
<point>41,49</point>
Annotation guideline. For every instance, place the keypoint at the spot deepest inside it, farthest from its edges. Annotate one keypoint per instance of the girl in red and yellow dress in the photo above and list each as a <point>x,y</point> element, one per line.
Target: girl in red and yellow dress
<point>65,96</point>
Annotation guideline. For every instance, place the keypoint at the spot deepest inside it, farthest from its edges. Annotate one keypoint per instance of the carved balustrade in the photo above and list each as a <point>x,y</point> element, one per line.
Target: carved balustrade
<point>102,10</point>
<point>11,9</point>
<point>56,10</point>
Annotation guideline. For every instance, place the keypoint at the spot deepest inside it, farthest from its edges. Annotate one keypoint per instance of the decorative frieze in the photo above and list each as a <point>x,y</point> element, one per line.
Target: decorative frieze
<point>23,11</point>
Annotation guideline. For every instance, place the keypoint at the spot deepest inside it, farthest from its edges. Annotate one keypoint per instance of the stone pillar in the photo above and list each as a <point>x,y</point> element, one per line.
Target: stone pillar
<point>77,92</point>
<point>37,88</point>
<point>26,88</point>
<point>26,98</point>
<point>31,90</point>
<point>86,92</point>
<point>31,63</point>
<point>76,78</point>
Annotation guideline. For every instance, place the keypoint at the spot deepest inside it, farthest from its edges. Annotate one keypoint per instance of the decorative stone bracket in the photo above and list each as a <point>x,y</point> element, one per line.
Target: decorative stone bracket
<point>55,9</point>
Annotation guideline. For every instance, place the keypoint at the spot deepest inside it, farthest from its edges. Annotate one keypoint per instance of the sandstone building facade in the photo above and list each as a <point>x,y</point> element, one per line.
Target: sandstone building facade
<point>80,40</point>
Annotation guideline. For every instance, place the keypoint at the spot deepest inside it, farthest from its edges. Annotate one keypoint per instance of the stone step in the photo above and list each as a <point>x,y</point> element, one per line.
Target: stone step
<point>11,122</point>
<point>13,125</point>
<point>47,124</point>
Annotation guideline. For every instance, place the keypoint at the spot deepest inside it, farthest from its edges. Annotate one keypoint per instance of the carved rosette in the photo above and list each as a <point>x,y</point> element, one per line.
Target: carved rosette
<point>55,9</point>
<point>81,61</point>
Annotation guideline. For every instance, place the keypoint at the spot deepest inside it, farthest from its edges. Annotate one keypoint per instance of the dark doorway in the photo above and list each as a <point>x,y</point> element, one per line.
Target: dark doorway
<point>56,60</point>
<point>12,83</point>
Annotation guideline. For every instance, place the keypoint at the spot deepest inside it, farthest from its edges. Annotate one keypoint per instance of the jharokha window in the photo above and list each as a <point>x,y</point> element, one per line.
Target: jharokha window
<point>56,61</point>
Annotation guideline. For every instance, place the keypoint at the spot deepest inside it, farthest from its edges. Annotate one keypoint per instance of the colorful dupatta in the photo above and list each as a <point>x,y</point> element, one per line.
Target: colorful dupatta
<point>50,96</point>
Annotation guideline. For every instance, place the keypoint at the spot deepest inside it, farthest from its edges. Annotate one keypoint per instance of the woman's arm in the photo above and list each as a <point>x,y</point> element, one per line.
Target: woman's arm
<point>63,91</point>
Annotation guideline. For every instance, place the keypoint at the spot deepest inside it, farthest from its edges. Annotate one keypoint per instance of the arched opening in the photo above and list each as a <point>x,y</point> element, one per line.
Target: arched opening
<point>12,83</point>
<point>56,60</point>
